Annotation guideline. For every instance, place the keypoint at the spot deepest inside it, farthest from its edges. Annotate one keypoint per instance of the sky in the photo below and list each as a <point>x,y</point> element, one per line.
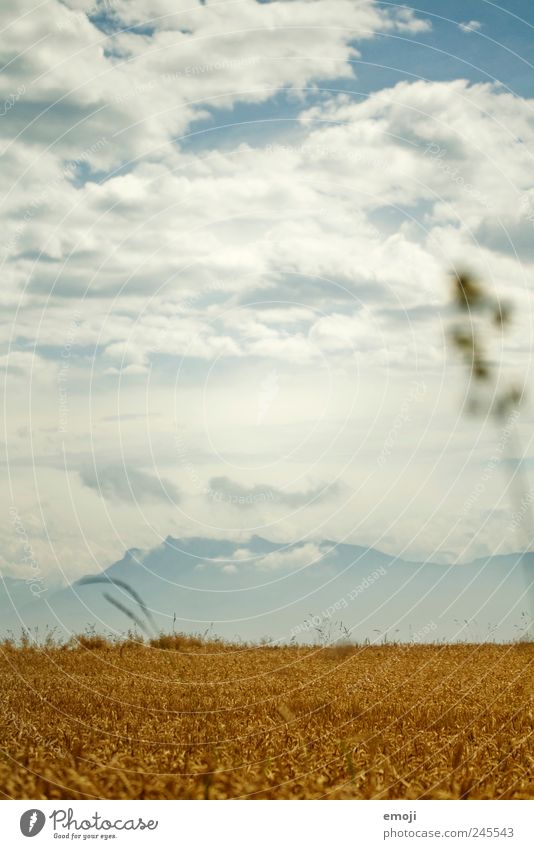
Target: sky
<point>227,234</point>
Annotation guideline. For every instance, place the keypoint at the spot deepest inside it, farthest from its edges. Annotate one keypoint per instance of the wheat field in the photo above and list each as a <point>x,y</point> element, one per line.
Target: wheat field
<point>187,719</point>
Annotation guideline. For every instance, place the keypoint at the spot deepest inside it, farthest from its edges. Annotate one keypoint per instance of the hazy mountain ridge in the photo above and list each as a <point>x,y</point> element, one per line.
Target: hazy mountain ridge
<point>249,590</point>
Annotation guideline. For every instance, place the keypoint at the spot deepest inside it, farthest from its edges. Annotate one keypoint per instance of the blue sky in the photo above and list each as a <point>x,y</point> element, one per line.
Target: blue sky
<point>500,50</point>
<point>227,234</point>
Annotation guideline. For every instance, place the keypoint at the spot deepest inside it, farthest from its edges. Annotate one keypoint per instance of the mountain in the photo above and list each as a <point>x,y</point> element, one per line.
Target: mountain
<point>303,591</point>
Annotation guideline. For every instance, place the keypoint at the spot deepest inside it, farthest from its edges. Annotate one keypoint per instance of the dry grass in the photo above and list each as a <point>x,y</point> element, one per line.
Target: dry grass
<point>190,719</point>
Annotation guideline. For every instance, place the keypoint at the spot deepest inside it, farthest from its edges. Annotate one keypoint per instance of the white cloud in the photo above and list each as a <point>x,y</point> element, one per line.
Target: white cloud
<point>285,559</point>
<point>122,483</point>
<point>446,155</point>
<point>154,239</point>
<point>138,91</point>
<point>300,557</point>
<point>223,490</point>
<point>470,26</point>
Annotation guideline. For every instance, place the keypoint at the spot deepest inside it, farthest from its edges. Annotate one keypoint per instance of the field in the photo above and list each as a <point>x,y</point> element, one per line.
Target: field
<point>194,720</point>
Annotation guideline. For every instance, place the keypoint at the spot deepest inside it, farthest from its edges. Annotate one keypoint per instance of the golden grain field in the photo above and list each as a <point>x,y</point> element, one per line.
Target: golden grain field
<point>208,720</point>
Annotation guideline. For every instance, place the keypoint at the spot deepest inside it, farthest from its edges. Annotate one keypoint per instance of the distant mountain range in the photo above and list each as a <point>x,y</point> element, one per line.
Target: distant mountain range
<point>302,591</point>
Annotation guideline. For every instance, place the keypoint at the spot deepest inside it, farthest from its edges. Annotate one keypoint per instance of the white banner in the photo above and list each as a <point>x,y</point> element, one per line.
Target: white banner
<point>268,824</point>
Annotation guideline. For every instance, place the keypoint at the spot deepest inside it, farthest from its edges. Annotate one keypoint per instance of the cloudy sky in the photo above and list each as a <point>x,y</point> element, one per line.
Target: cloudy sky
<point>226,233</point>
